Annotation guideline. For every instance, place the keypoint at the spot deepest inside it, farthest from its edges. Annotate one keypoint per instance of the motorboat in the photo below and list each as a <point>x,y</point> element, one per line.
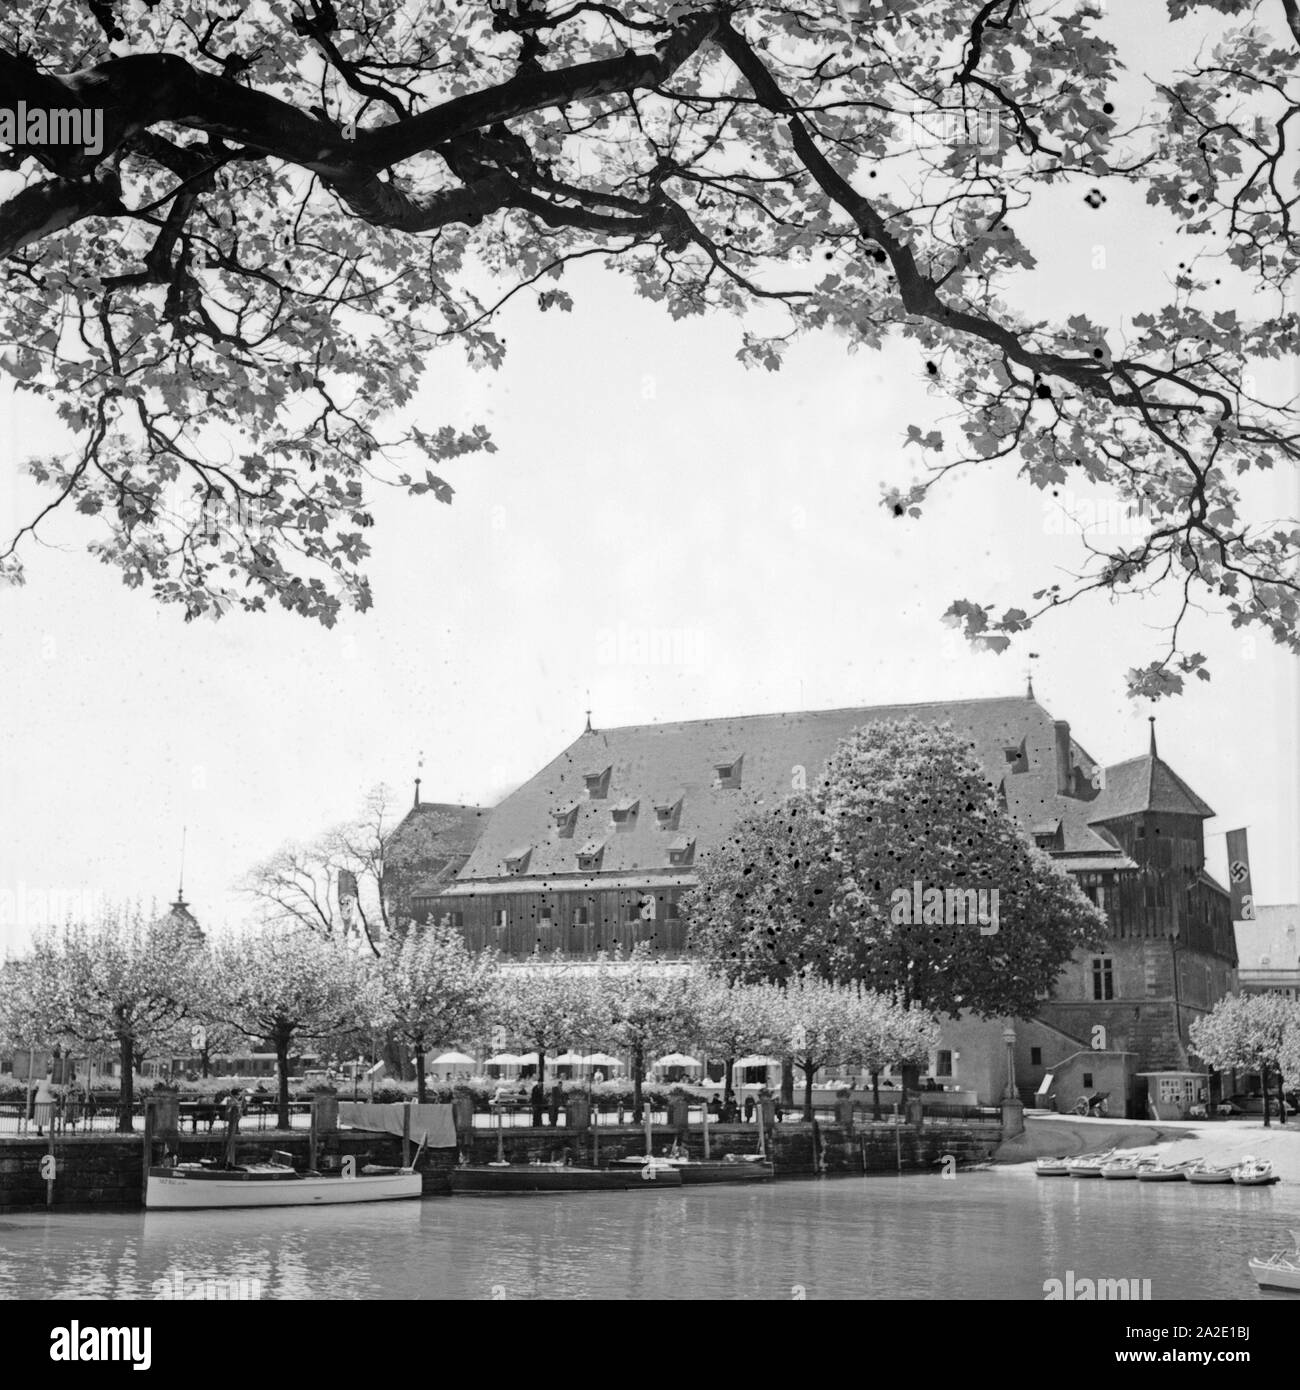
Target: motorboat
<point>731,1168</point>
<point>1206,1172</point>
<point>1280,1271</point>
<point>563,1177</point>
<point>1254,1172</point>
<point>1051,1167</point>
<point>1166,1172</point>
<point>190,1186</point>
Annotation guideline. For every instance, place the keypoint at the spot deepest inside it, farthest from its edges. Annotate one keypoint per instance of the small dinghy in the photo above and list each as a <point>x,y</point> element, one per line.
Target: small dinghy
<point>1051,1167</point>
<point>1166,1172</point>
<point>1205,1172</point>
<point>733,1168</point>
<point>189,1186</point>
<point>1126,1166</point>
<point>1254,1172</point>
<point>1280,1271</point>
<point>1088,1165</point>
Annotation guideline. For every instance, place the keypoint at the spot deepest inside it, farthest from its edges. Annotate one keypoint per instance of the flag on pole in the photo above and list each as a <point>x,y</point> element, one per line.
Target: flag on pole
<point>1243,897</point>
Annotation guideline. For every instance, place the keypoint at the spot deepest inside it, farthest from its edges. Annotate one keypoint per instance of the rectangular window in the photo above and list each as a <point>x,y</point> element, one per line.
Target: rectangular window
<point>672,912</point>
<point>581,916</point>
<point>1103,977</point>
<point>1035,1056</point>
<point>1087,1081</point>
<point>943,1064</point>
<point>502,919</point>
<point>458,919</point>
<point>545,916</point>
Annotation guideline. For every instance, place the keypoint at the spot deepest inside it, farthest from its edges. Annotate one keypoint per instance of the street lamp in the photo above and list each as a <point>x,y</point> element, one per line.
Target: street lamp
<point>1009,1037</point>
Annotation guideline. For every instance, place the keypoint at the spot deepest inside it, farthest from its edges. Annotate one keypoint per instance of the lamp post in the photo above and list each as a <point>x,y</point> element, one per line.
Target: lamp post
<point>1009,1037</point>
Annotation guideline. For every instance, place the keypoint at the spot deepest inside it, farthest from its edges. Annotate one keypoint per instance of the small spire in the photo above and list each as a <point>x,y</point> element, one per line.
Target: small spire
<point>1029,675</point>
<point>589,729</point>
<point>1151,719</point>
<point>180,886</point>
<point>419,767</point>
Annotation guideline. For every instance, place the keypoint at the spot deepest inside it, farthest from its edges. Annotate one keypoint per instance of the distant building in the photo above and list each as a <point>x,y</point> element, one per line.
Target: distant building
<point>1269,951</point>
<point>595,851</point>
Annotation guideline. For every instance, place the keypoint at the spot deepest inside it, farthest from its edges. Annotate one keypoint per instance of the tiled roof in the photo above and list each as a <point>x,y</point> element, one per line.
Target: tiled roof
<point>1145,784</point>
<point>431,843</point>
<point>658,763</point>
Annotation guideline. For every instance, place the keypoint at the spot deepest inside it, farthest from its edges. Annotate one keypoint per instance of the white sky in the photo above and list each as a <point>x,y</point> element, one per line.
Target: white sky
<point>648,491</point>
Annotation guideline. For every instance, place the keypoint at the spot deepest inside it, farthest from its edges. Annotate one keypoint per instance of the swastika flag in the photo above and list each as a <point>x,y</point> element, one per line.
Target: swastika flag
<point>1243,896</point>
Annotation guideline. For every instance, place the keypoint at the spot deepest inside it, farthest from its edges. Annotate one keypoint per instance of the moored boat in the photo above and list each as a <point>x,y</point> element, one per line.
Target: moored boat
<point>1206,1172</point>
<point>562,1177</point>
<point>1051,1167</point>
<point>1088,1165</point>
<point>1280,1271</point>
<point>1165,1172</point>
<point>1254,1172</point>
<point>733,1168</point>
<point>190,1186</point>
<point>1125,1166</point>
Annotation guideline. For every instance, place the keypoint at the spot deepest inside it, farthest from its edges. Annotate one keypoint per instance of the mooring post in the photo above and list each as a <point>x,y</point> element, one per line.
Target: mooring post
<point>148,1147</point>
<point>406,1134</point>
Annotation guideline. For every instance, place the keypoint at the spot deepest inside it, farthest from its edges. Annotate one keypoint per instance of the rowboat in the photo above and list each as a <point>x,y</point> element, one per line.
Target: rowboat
<point>1205,1172</point>
<point>190,1186</point>
<point>1088,1165</point>
<point>1051,1167</point>
<point>1280,1271</point>
<point>562,1177</point>
<point>1254,1172</point>
<point>1126,1166</point>
<point>1165,1172</point>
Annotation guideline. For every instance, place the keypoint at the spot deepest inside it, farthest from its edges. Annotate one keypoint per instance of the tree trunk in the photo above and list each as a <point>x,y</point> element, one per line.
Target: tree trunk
<point>787,1082</point>
<point>541,1067</point>
<point>726,1079</point>
<point>808,1073</point>
<point>1281,1099</point>
<point>419,1072</point>
<point>283,1037</point>
<point>875,1095</point>
<point>127,1093</point>
<point>638,1069</point>
<point>205,1062</point>
<point>1263,1086</point>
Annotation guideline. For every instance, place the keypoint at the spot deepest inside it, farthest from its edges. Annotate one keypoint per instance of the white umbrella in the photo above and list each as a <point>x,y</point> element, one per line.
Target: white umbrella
<point>527,1059</point>
<point>453,1059</point>
<point>504,1059</point>
<point>569,1059</point>
<point>758,1061</point>
<point>603,1059</point>
<point>678,1059</point>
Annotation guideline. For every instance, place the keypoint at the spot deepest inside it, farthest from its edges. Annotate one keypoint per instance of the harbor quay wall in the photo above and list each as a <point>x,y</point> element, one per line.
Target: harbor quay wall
<point>105,1171</point>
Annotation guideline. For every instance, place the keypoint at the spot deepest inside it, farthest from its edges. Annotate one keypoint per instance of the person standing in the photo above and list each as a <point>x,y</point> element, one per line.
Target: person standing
<point>749,1110</point>
<point>43,1105</point>
<point>234,1109</point>
<point>557,1100</point>
<point>539,1102</point>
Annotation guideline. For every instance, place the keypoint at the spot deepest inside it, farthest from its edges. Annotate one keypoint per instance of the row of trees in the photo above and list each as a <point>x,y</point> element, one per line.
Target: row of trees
<point>1253,1032</point>
<point>137,987</point>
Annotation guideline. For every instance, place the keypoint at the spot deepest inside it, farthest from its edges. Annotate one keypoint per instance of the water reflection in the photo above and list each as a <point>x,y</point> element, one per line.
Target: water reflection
<point>981,1235</point>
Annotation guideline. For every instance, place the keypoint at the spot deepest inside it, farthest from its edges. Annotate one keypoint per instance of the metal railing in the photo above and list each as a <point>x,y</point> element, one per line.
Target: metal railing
<point>68,1119</point>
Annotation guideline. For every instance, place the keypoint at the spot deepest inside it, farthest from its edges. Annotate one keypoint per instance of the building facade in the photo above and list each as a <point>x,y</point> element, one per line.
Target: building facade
<point>594,853</point>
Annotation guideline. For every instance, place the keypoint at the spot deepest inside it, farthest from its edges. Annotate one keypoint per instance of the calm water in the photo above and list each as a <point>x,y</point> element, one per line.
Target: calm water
<point>979,1235</point>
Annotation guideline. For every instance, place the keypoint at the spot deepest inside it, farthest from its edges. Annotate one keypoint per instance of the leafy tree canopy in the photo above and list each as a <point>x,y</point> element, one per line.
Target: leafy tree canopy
<point>231,293</point>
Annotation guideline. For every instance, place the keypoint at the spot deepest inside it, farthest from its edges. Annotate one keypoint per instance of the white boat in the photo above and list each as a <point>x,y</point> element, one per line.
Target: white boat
<point>1280,1271</point>
<point>1166,1172</point>
<point>1051,1167</point>
<point>1088,1165</point>
<point>1125,1166</point>
<point>1206,1172</point>
<point>189,1186</point>
<point>1254,1172</point>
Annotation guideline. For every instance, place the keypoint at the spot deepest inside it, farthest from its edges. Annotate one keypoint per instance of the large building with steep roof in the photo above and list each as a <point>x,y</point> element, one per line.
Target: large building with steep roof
<point>595,851</point>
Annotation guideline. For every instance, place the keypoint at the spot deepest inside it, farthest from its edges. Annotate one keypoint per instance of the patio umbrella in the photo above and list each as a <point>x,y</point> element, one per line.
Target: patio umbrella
<point>758,1061</point>
<point>569,1059</point>
<point>603,1059</point>
<point>678,1059</point>
<point>527,1059</point>
<point>453,1059</point>
<point>504,1059</point>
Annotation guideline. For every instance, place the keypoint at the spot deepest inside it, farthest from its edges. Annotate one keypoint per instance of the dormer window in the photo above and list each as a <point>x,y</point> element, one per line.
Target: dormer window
<point>624,814</point>
<point>668,813</point>
<point>517,859</point>
<point>590,855</point>
<point>565,818</point>
<point>597,783</point>
<point>727,774</point>
<point>681,852</point>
